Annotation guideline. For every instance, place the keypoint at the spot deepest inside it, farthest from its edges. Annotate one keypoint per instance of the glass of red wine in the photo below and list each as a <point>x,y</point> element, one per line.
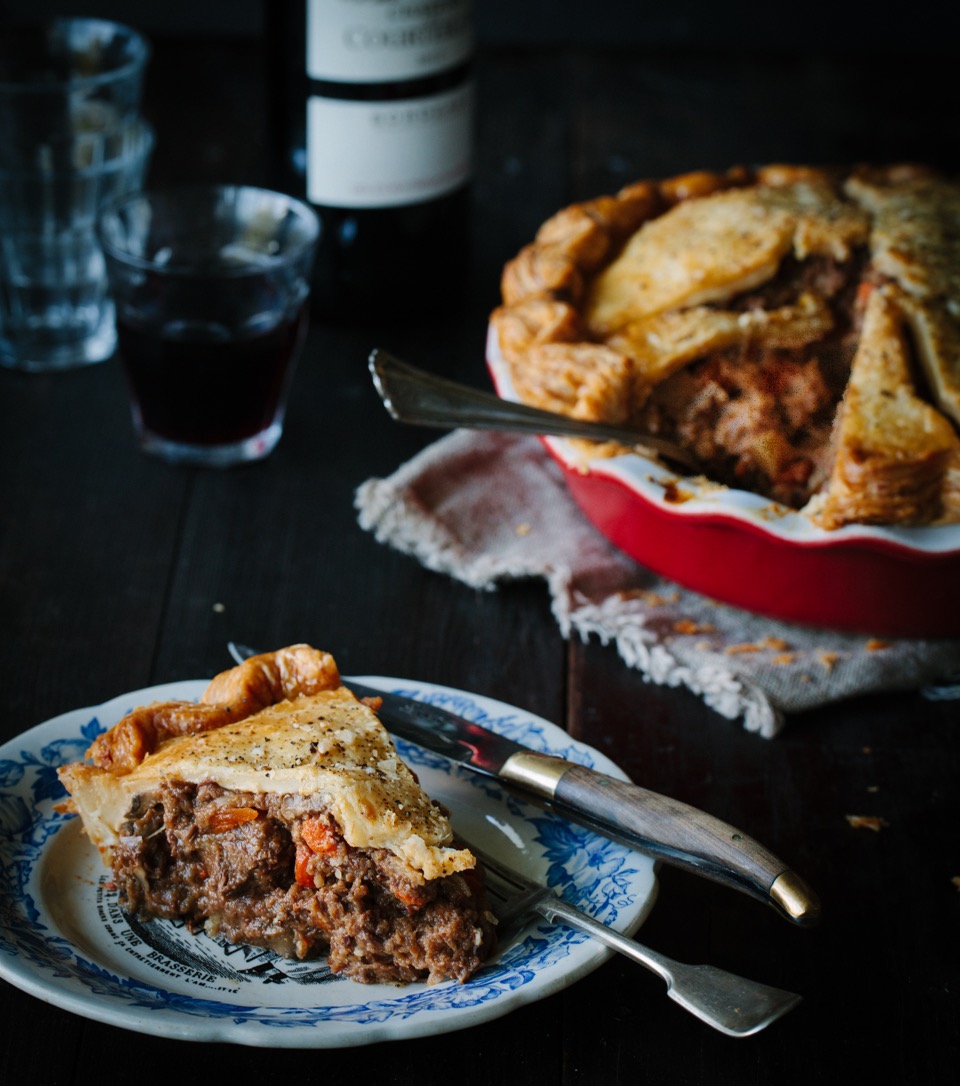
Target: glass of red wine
<point>211,286</point>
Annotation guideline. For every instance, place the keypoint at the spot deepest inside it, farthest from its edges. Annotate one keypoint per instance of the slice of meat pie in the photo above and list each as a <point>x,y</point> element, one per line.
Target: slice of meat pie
<point>277,812</point>
<point>893,451</point>
<point>916,243</point>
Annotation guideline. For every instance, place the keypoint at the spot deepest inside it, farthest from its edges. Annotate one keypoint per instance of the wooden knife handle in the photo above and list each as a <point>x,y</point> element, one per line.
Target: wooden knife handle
<point>685,837</point>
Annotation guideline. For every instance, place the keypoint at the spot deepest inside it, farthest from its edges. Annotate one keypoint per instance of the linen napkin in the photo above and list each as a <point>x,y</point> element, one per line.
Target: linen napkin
<point>489,508</point>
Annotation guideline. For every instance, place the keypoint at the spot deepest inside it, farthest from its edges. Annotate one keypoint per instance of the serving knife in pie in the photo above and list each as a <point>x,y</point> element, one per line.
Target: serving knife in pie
<point>657,825</point>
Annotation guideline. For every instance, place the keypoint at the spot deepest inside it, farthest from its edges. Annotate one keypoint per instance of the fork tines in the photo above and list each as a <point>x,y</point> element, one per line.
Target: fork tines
<point>517,895</point>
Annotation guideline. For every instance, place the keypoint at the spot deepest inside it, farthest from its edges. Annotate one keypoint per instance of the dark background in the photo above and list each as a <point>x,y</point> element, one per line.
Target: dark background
<point>117,572</point>
<point>710,85</point>
<point>817,24</point>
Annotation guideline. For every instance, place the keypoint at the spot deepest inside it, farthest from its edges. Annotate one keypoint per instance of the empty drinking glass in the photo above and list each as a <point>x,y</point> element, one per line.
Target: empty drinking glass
<point>71,139</point>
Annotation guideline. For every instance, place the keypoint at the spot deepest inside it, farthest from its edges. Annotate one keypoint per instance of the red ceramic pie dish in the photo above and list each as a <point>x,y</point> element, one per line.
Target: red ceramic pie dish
<point>745,550</point>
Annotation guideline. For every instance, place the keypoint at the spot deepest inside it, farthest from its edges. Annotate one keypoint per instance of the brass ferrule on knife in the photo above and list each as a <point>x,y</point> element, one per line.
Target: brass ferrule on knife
<point>793,897</point>
<point>540,773</point>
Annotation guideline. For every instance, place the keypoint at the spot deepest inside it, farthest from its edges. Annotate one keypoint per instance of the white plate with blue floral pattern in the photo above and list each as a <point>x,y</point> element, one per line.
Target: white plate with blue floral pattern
<point>64,938</point>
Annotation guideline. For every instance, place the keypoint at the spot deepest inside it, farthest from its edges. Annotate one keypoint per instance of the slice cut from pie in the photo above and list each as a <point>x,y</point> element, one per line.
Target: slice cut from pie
<point>893,450</point>
<point>277,812</point>
<point>916,244</point>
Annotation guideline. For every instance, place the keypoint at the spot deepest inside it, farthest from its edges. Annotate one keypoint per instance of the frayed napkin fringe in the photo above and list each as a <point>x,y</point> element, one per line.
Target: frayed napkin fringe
<point>388,511</point>
<point>721,690</point>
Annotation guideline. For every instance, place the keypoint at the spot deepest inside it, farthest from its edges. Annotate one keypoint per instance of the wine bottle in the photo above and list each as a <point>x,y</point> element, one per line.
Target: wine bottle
<point>372,118</point>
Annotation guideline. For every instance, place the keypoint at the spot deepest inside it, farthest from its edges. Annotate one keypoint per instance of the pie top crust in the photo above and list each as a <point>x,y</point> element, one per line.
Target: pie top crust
<point>708,250</point>
<point>797,328</point>
<point>312,737</point>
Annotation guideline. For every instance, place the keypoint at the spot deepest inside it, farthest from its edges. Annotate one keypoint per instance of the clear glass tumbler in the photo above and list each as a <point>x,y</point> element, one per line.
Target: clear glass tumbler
<point>55,306</point>
<point>211,286</point>
<point>62,79</point>
<point>71,138</point>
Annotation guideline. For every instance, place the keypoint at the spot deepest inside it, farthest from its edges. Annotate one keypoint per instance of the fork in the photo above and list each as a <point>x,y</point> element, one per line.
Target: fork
<point>734,1005</point>
<point>416,396</point>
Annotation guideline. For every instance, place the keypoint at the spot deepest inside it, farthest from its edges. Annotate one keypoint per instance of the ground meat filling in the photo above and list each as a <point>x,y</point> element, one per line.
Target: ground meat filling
<point>760,417</point>
<point>274,871</point>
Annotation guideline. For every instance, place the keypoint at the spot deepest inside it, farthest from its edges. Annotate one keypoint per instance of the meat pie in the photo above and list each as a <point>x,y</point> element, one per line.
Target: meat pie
<point>277,812</point>
<point>725,311</point>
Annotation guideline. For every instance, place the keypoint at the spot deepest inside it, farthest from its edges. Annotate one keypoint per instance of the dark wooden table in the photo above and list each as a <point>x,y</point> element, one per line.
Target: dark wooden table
<point>117,572</point>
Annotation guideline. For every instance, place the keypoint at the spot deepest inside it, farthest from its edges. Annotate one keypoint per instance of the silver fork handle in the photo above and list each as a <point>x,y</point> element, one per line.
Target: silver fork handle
<point>553,908</point>
<point>733,1005</point>
<point>415,396</point>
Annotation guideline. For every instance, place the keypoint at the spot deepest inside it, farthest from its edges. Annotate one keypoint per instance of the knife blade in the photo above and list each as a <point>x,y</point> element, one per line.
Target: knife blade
<point>667,829</point>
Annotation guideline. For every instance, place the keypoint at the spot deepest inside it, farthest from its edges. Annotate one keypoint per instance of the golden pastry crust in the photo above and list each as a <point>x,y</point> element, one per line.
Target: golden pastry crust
<point>892,448</point>
<point>260,681</point>
<point>535,320</point>
<point>950,494</point>
<point>313,738</point>
<point>743,292</point>
<point>661,344</point>
<point>915,242</point>
<point>913,237</point>
<point>710,249</point>
<point>584,380</point>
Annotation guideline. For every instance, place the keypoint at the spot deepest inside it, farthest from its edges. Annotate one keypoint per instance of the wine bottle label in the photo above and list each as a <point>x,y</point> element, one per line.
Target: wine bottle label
<point>378,41</point>
<point>387,154</point>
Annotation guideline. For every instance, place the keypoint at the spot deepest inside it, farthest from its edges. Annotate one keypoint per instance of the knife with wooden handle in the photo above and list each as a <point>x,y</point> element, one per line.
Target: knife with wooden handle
<point>673,832</point>
<point>665,828</point>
